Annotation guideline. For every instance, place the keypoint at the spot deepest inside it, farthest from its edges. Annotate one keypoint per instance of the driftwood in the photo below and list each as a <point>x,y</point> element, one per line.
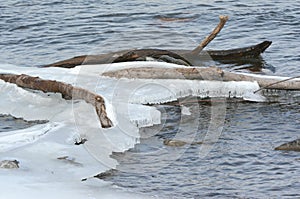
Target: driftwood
<point>181,57</point>
<point>290,146</point>
<point>201,73</point>
<point>184,57</point>
<point>67,90</point>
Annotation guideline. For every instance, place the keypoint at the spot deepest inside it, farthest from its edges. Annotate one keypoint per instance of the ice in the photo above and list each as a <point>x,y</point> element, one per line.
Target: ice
<point>185,110</point>
<point>51,165</point>
<point>15,139</point>
<point>41,149</point>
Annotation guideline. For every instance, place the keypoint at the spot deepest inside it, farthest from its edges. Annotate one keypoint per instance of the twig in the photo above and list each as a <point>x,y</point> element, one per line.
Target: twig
<point>67,90</point>
<point>212,35</point>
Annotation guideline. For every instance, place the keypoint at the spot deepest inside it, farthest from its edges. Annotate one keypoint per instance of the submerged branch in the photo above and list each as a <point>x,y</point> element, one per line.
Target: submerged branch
<point>67,90</point>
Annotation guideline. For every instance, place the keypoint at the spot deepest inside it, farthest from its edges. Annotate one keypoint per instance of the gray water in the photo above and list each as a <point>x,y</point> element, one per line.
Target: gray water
<point>242,164</point>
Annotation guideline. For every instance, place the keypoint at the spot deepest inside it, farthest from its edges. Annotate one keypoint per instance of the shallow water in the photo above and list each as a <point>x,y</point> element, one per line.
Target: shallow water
<point>10,123</point>
<point>242,163</point>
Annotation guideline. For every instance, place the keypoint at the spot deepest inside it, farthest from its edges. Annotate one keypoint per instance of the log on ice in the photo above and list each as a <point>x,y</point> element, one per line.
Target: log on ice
<point>67,90</point>
<point>202,73</point>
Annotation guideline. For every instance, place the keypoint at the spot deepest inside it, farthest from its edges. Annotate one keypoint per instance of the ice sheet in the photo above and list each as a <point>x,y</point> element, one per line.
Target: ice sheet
<point>51,165</point>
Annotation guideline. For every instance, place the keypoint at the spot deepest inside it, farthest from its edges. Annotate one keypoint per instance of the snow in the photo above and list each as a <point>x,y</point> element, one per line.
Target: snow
<point>51,165</point>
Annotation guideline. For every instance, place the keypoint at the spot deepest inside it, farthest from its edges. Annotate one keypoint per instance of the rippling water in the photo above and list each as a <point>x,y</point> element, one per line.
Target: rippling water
<point>242,163</point>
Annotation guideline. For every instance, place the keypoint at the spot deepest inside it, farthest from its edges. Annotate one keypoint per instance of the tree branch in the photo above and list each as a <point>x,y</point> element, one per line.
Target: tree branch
<point>213,34</point>
<point>67,90</point>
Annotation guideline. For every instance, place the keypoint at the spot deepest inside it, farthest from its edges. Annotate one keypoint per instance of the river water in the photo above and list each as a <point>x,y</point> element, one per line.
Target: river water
<point>242,164</point>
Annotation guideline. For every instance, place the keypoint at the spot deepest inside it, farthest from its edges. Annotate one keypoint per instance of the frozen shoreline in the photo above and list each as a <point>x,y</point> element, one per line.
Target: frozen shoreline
<point>50,164</point>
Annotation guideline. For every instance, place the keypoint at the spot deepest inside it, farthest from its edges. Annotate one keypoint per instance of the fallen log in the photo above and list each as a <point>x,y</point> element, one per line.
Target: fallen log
<point>152,54</point>
<point>185,55</point>
<point>182,57</point>
<point>67,90</point>
<point>205,73</point>
<point>290,146</point>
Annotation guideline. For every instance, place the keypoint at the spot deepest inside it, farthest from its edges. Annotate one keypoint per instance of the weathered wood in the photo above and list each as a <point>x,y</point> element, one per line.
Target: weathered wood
<point>202,73</point>
<point>67,90</point>
<point>184,55</point>
<point>211,36</point>
<point>290,146</point>
<point>238,53</point>
<point>181,57</point>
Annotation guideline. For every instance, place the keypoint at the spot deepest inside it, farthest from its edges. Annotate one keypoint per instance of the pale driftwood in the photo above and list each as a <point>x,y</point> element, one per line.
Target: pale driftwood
<point>213,34</point>
<point>67,90</point>
<point>201,73</point>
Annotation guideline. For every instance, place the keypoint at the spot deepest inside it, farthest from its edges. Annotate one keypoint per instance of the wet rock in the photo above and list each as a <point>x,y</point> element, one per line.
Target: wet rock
<point>178,143</point>
<point>81,141</point>
<point>290,146</point>
<point>9,164</point>
<point>106,174</point>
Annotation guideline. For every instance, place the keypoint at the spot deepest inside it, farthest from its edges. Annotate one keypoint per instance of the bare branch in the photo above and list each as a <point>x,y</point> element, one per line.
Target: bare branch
<point>213,34</point>
<point>67,90</point>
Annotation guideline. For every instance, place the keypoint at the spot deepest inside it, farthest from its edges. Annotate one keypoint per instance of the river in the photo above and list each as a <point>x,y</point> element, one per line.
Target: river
<point>242,163</point>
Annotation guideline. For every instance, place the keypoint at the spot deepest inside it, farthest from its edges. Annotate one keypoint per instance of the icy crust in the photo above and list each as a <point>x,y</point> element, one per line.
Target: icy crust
<point>51,165</point>
<point>162,91</point>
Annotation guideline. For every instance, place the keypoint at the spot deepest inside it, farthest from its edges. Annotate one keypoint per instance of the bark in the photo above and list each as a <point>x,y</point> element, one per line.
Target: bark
<point>201,73</point>
<point>67,90</point>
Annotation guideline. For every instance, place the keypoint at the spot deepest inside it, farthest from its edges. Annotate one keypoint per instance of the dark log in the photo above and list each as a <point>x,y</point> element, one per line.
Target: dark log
<point>157,54</point>
<point>248,52</point>
<point>67,90</point>
<point>184,56</point>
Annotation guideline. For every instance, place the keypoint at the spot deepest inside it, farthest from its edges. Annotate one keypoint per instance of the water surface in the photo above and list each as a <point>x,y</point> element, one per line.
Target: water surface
<point>242,164</point>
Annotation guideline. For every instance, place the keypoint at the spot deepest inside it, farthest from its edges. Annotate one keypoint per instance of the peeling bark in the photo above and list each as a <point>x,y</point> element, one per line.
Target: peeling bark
<point>67,90</point>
